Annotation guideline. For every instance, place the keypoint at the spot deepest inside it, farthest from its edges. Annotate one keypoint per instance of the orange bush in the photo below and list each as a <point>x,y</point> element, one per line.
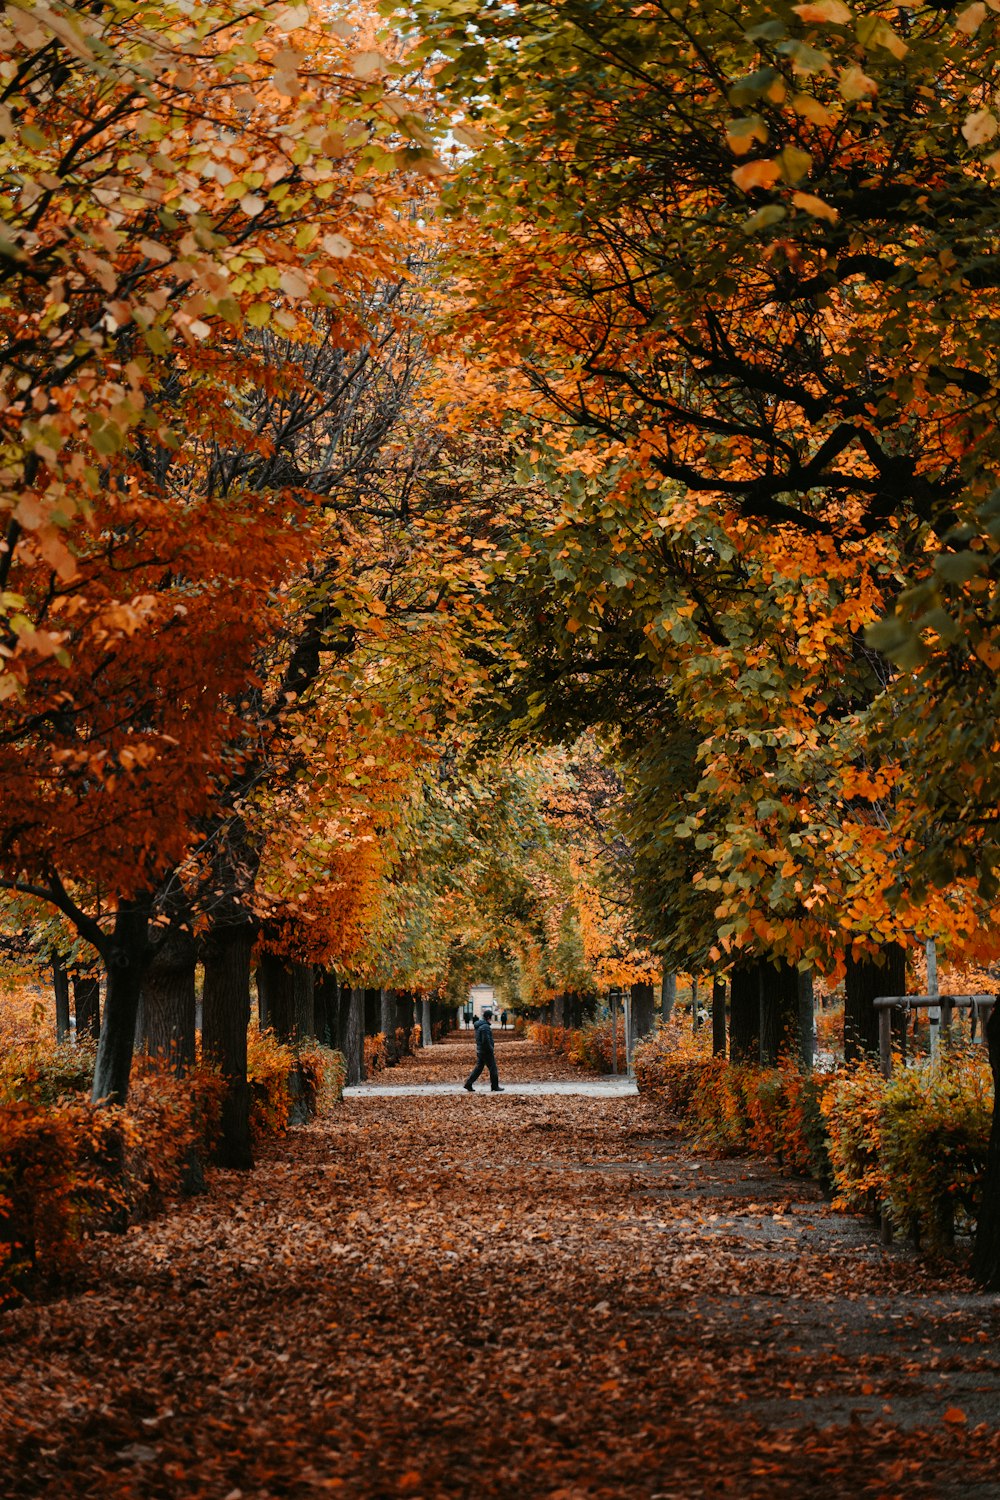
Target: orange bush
<point>376,1054</point>
<point>587,1047</point>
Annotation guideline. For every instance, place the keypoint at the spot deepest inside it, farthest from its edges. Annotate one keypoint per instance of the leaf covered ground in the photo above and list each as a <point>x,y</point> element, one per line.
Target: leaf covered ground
<point>501,1296</point>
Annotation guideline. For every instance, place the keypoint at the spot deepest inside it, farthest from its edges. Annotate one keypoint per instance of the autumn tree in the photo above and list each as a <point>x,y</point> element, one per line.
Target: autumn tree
<point>182,180</point>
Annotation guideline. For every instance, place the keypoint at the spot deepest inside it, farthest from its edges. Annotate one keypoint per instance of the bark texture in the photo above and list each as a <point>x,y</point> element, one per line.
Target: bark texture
<point>226,1016</point>
<point>426,1027</point>
<point>353,1046</point>
<point>744,1013</point>
<point>166,1022</point>
<point>643,1010</point>
<point>865,979</point>
<point>807,1019</point>
<point>60,989</point>
<point>668,994</point>
<point>87,1006</point>
<point>304,999</point>
<point>779,1011</point>
<point>387,1024</point>
<point>126,955</point>
<point>325,1007</point>
<point>278,982</point>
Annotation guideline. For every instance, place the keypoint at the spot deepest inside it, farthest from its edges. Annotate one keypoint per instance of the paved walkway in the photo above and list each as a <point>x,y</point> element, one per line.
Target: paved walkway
<point>602,1088</point>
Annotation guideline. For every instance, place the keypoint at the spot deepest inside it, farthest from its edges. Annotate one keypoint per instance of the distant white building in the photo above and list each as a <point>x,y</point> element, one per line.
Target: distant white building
<point>482,998</point>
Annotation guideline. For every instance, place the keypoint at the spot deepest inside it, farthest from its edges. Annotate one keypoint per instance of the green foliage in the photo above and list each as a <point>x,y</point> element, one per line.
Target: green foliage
<point>935,1135</point>
<point>915,1146</point>
<point>37,1074</point>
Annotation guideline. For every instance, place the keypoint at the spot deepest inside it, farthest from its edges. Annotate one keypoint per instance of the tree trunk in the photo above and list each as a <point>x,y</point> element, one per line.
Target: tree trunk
<point>87,1006</point>
<point>226,1016</point>
<point>354,1036</point>
<point>867,977</point>
<point>263,1007</point>
<point>986,1252</point>
<point>779,1011</point>
<point>373,1011</point>
<point>643,1010</point>
<point>404,1020</point>
<point>426,1030</point>
<point>694,1005</point>
<point>718,1018</point>
<point>279,989</point>
<point>668,994</point>
<point>126,955</point>
<point>304,996</point>
<point>744,1013</point>
<point>60,987</point>
<point>807,1019</point>
<point>165,1025</point>
<point>325,1007</point>
<point>387,1024</point>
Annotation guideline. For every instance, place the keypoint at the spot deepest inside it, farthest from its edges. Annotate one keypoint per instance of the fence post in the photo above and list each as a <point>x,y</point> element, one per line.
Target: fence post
<point>934,1012</point>
<point>885,1040</point>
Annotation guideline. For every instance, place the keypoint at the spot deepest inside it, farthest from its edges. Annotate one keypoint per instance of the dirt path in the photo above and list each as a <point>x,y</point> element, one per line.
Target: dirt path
<point>502,1296</point>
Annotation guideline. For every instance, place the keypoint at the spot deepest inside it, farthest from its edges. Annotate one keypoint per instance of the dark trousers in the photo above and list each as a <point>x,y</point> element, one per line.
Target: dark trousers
<point>486,1062</point>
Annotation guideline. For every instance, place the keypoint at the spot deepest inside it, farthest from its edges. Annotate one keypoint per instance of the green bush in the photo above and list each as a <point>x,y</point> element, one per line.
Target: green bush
<point>935,1137</point>
<point>915,1146</point>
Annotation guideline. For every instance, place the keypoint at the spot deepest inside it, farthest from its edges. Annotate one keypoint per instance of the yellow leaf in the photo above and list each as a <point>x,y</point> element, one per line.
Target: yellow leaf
<point>815,206</point>
<point>756,174</point>
<point>337,245</point>
<point>368,63</point>
<point>293,285</point>
<point>980,126</point>
<point>794,163</point>
<point>741,134</point>
<point>970,19</point>
<point>811,109</point>
<point>833,11</point>
<point>154,251</point>
<point>855,84</point>
<point>467,136</point>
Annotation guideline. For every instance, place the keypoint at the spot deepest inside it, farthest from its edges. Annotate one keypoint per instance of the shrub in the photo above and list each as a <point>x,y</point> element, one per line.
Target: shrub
<point>935,1138</point>
<point>286,1088</point>
<point>42,1187</point>
<point>269,1063</point>
<point>916,1145</point>
<point>67,1168</point>
<point>42,1071</point>
<point>852,1111</point>
<point>376,1054</point>
<point>587,1047</point>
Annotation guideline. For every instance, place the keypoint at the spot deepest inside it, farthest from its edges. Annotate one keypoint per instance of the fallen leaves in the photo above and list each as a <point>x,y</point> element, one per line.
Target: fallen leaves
<point>304,1331</point>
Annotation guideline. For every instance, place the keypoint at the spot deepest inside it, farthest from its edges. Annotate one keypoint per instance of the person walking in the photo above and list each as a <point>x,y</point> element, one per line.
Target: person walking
<point>503,1020</point>
<point>485,1057</point>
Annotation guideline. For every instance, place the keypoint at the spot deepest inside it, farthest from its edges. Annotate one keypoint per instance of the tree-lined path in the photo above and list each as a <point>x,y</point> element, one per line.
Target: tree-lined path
<point>506,1296</point>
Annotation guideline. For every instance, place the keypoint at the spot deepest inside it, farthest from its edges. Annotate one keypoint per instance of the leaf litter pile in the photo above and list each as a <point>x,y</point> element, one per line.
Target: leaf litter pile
<point>501,1295</point>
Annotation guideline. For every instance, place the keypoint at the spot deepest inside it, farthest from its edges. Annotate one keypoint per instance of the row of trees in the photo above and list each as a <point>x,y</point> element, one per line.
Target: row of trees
<point>227,543</point>
<point>736,279</point>
<point>677,432</point>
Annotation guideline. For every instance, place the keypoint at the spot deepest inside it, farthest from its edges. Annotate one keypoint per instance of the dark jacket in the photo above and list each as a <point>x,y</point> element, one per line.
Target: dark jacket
<point>484,1039</point>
